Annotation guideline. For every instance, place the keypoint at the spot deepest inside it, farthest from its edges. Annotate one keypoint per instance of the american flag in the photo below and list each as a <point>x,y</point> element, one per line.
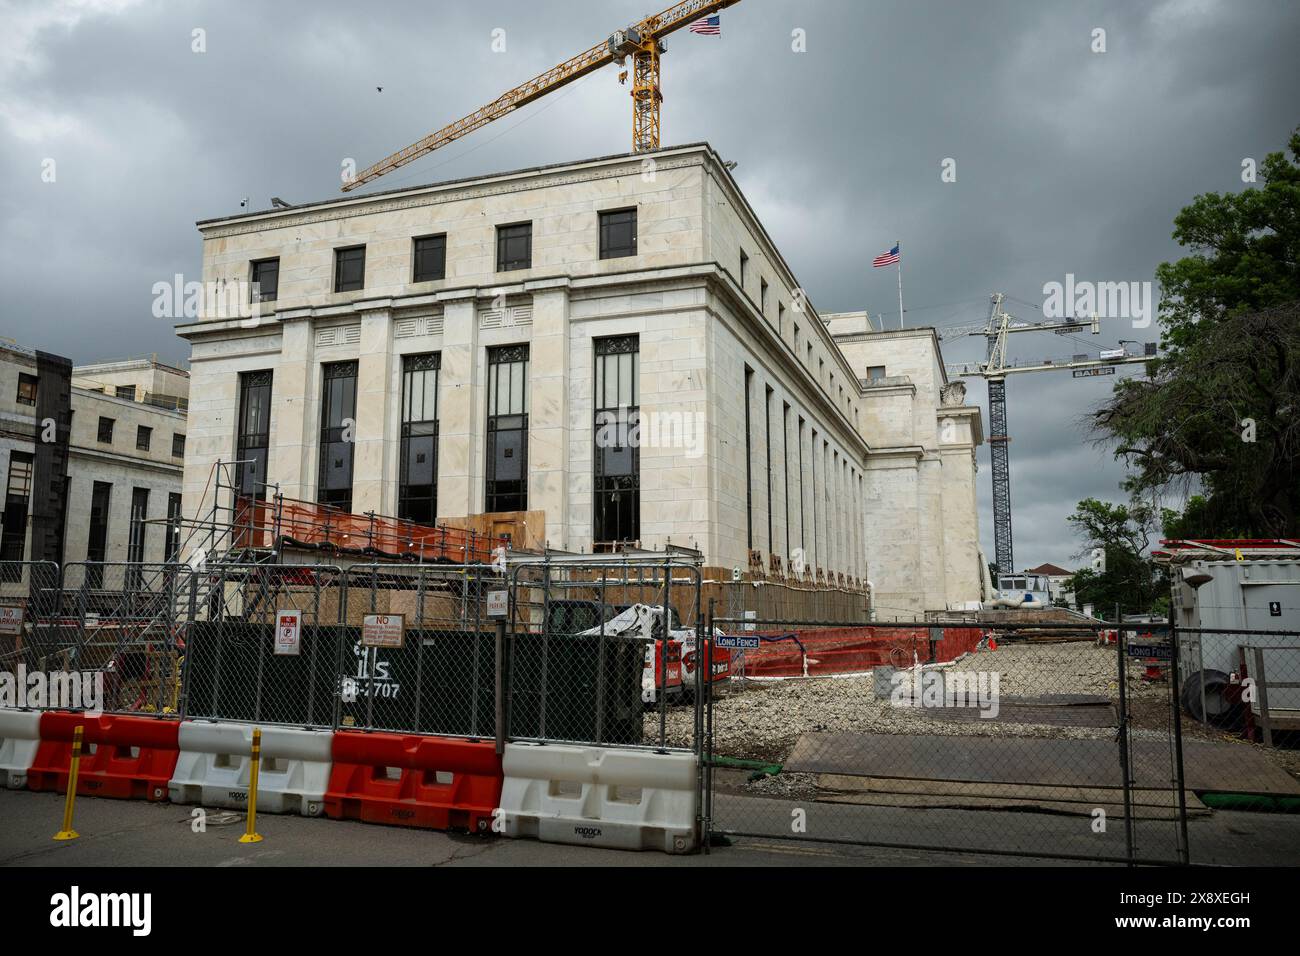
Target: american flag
<point>709,26</point>
<point>886,258</point>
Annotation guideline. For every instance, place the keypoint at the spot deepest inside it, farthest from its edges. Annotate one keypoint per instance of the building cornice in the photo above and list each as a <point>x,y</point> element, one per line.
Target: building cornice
<point>478,187</point>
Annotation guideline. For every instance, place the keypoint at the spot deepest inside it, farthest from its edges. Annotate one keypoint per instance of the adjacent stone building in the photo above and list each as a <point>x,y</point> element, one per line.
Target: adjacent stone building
<point>91,458</point>
<point>614,343</point>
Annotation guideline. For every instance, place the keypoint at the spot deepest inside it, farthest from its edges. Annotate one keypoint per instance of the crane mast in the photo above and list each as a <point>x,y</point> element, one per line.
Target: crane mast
<point>641,41</point>
<point>994,370</point>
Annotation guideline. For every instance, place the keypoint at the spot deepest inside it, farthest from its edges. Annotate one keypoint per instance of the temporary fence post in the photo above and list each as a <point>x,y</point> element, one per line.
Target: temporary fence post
<point>600,664</point>
<point>67,833</point>
<point>1175,695</point>
<point>250,834</point>
<point>1122,738</point>
<point>707,802</point>
<point>372,653</point>
<point>663,681</point>
<point>499,691</point>
<point>419,646</point>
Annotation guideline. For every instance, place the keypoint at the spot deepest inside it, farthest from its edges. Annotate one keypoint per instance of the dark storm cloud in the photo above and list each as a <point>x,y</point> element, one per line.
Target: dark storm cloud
<point>1068,161</point>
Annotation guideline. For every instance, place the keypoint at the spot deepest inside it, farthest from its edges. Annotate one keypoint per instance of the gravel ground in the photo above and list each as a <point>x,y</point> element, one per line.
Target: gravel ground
<point>763,720</point>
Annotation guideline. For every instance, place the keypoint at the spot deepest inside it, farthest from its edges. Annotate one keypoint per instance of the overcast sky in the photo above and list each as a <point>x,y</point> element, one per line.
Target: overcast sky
<point>1067,160</point>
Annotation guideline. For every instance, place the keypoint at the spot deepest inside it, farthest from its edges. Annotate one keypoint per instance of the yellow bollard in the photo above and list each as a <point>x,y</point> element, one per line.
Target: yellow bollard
<point>67,833</point>
<point>251,835</point>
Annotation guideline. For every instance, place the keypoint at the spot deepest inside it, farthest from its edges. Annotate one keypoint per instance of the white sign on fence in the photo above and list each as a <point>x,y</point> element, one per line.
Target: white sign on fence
<point>11,620</point>
<point>288,632</point>
<point>498,604</point>
<point>383,630</point>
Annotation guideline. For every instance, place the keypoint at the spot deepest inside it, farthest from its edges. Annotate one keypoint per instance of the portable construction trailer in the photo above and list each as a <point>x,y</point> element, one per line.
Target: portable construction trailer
<point>1245,589</point>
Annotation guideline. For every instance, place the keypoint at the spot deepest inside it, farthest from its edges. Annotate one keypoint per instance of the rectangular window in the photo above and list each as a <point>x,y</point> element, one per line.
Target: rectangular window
<point>253,438</point>
<point>417,498</point>
<point>126,391</point>
<point>515,247</point>
<point>337,424</point>
<point>430,258</point>
<point>813,496</point>
<point>767,418</point>
<point>762,296</point>
<point>106,430</point>
<point>803,528</point>
<point>143,437</point>
<point>875,373</point>
<point>13,529</point>
<point>172,543</point>
<point>26,389</point>
<point>135,538</point>
<point>618,234</point>
<point>749,463</point>
<point>617,495</point>
<point>178,445</point>
<point>350,269</point>
<point>136,532</point>
<point>97,543</point>
<point>507,429</point>
<point>780,318</point>
<point>266,280</point>
<point>744,269</point>
<point>785,468</point>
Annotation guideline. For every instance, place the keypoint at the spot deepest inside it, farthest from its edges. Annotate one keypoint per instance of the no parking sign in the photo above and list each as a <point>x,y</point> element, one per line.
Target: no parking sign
<point>288,632</point>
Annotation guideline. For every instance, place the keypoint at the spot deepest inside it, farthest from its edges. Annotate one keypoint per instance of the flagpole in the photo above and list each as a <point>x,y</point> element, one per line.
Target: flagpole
<point>899,246</point>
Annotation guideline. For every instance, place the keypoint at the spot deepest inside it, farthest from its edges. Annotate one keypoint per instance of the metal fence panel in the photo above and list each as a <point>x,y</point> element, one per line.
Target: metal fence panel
<point>442,679</point>
<point>589,658</point>
<point>1040,743</point>
<point>234,669</point>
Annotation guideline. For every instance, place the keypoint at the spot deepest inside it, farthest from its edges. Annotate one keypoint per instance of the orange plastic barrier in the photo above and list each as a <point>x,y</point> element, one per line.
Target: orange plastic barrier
<point>843,650</point>
<point>130,758</point>
<point>438,783</point>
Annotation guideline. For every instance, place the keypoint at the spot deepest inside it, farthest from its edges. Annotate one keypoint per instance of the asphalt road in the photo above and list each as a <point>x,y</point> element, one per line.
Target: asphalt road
<point>135,833</point>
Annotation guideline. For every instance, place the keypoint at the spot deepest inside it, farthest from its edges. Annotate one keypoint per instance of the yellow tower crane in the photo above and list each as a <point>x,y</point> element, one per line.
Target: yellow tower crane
<point>641,41</point>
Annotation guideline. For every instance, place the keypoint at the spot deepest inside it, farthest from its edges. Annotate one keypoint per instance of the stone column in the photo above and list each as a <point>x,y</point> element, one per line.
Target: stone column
<point>293,402</point>
<point>548,407</point>
<point>372,463</point>
<point>458,380</point>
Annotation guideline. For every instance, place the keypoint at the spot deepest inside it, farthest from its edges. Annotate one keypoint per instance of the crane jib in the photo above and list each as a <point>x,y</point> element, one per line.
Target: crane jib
<point>641,41</point>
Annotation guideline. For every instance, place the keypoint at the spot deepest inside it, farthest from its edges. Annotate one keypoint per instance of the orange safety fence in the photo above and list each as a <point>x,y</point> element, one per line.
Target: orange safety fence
<point>846,650</point>
<point>307,524</point>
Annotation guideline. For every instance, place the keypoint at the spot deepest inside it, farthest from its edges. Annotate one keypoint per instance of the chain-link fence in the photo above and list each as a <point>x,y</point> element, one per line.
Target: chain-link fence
<point>435,672</point>
<point>1085,740</point>
<point>605,653</point>
<point>33,632</point>
<point>238,667</point>
<point>102,636</point>
<point>1059,741</point>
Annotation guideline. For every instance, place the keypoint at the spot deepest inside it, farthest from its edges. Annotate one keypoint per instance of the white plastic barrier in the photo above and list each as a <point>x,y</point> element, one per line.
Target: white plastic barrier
<point>215,762</point>
<point>20,736</point>
<point>598,796</point>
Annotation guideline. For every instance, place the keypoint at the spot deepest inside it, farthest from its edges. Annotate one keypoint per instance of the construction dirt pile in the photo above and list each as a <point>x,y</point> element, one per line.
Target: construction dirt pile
<point>763,720</point>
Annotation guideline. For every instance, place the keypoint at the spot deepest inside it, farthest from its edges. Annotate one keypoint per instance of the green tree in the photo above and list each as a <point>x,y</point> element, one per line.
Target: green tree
<point>1219,411</point>
<point>1130,579</point>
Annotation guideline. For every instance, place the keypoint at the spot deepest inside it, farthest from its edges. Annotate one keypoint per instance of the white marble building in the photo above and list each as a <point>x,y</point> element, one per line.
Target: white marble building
<point>923,532</point>
<point>387,372</point>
